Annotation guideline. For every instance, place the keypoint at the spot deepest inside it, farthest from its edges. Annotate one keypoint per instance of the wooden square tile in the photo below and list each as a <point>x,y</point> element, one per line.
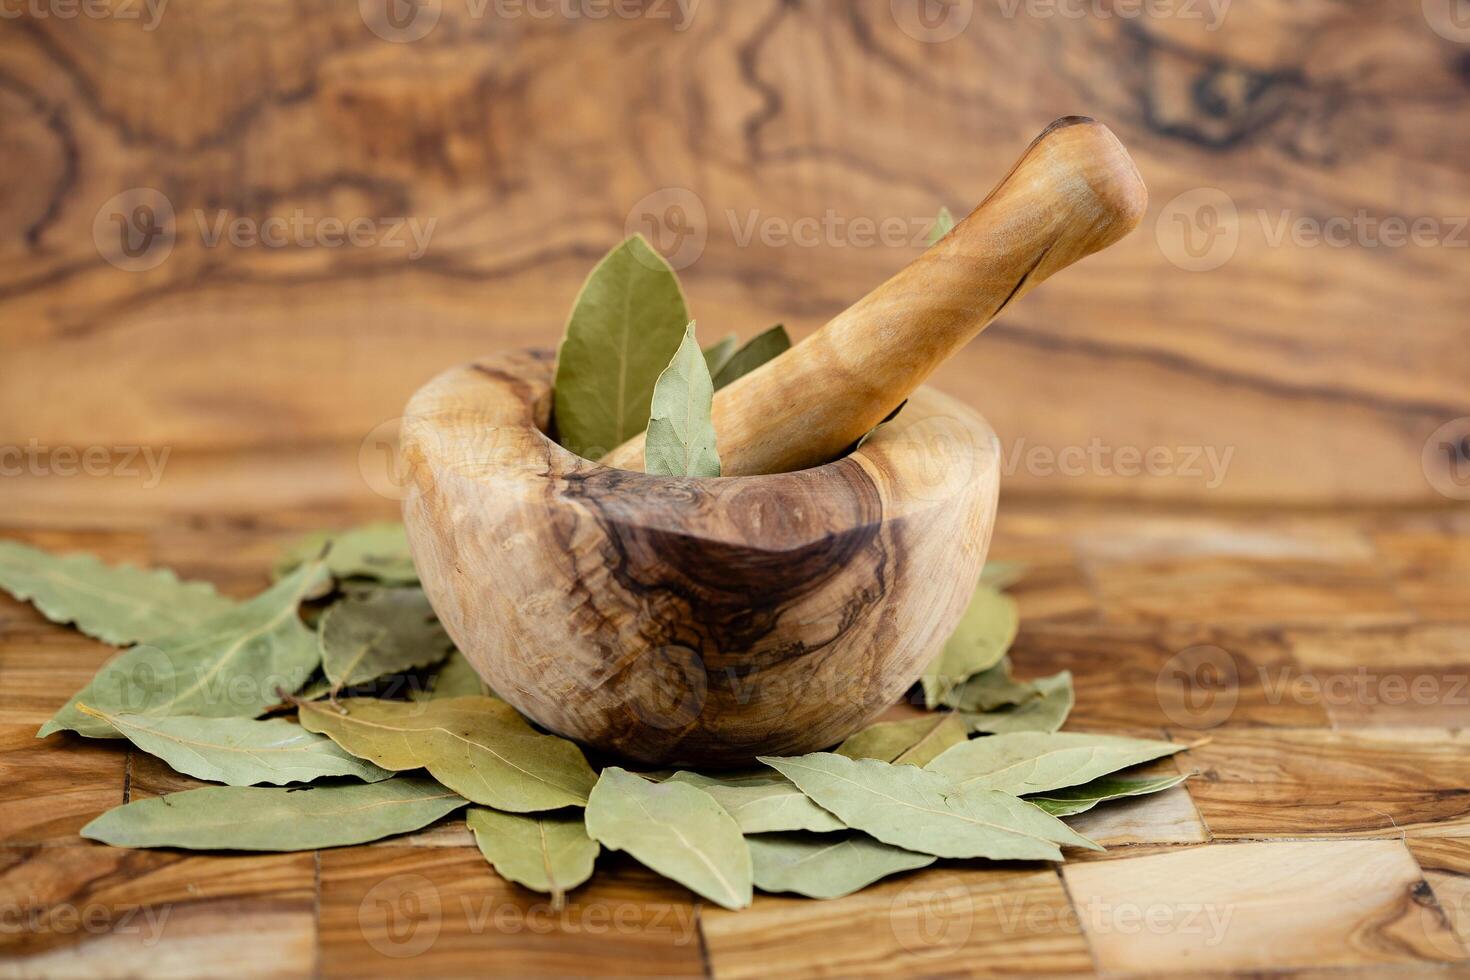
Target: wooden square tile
<point>1260,906</point>
<point>1400,676</point>
<point>434,911</point>
<point>1294,783</point>
<point>41,668</point>
<point>1169,817</point>
<point>936,922</point>
<point>1446,865</point>
<point>1136,677</point>
<point>50,788</point>
<point>102,911</point>
<point>1432,569</point>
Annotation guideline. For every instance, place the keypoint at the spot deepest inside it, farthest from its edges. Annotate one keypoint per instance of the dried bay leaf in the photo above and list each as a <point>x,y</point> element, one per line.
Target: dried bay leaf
<point>480,747</point>
<point>717,354</point>
<point>1003,574</point>
<point>1023,763</point>
<point>257,818</point>
<point>826,866</point>
<point>924,811</point>
<point>380,632</point>
<point>677,830</point>
<point>454,678</point>
<point>991,689</point>
<point>371,551</point>
<point>1079,799</point>
<point>117,604</point>
<point>681,436</point>
<point>626,324</point>
<point>545,852</point>
<point>761,348</point>
<point>763,802</point>
<point>983,636</point>
<point>1046,712</point>
<point>943,225</point>
<point>232,665</point>
<point>913,741</point>
<point>240,751</point>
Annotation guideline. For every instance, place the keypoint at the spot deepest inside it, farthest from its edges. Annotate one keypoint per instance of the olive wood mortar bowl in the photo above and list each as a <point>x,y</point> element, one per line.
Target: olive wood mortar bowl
<point>672,620</point>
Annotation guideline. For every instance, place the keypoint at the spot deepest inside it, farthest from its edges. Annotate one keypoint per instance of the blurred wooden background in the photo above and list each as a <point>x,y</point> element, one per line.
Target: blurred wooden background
<point>533,143</point>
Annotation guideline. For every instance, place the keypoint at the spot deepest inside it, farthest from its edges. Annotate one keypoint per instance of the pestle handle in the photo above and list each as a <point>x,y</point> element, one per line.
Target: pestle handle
<point>1074,192</point>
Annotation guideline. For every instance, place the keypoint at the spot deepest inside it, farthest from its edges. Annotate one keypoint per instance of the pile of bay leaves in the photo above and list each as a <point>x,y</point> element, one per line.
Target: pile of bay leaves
<point>332,708</point>
<point>393,730</point>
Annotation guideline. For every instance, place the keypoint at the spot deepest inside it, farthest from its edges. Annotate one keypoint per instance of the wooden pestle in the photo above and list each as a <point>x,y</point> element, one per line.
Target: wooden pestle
<point>1074,191</point>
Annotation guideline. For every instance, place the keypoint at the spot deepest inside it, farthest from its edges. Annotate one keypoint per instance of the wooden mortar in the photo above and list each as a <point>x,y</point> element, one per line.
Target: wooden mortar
<point>682,621</point>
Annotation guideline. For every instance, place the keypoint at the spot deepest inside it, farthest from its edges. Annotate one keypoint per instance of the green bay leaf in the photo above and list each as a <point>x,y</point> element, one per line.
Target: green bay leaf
<point>677,830</point>
<point>480,747</point>
<point>240,751</point>
<point>983,636</point>
<point>257,818</point>
<point>913,741</point>
<point>454,678</point>
<point>1046,712</point>
<point>763,802</point>
<point>1079,799</point>
<point>716,354</point>
<point>991,689</point>
<point>232,665</point>
<point>758,350</point>
<point>1003,574</point>
<point>828,866</point>
<point>681,436</point>
<point>380,632</point>
<point>372,551</point>
<point>943,225</point>
<point>117,604</point>
<point>1023,763</point>
<point>545,852</point>
<point>628,321</point>
<point>924,811</point>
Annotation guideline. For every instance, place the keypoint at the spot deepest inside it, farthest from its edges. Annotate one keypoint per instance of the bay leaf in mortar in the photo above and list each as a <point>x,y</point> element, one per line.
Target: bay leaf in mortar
<point>1046,712</point>
<point>991,689</point>
<point>117,604</point>
<point>943,225</point>
<point>984,635</point>
<point>232,665</point>
<point>913,741</point>
<point>827,866</point>
<point>763,803</point>
<point>1079,799</point>
<point>677,830</point>
<point>479,747</point>
<point>924,811</point>
<point>626,324</point>
<point>681,435</point>
<point>758,350</point>
<point>372,551</point>
<point>380,632</point>
<point>545,852</point>
<point>259,818</point>
<point>240,751</point>
<point>716,354</point>
<point>1023,763</point>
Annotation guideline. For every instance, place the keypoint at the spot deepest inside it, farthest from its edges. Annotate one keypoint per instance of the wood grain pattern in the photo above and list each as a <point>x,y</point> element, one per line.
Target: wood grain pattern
<point>1260,907</point>
<point>676,620</point>
<point>532,142</point>
<point>50,790</point>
